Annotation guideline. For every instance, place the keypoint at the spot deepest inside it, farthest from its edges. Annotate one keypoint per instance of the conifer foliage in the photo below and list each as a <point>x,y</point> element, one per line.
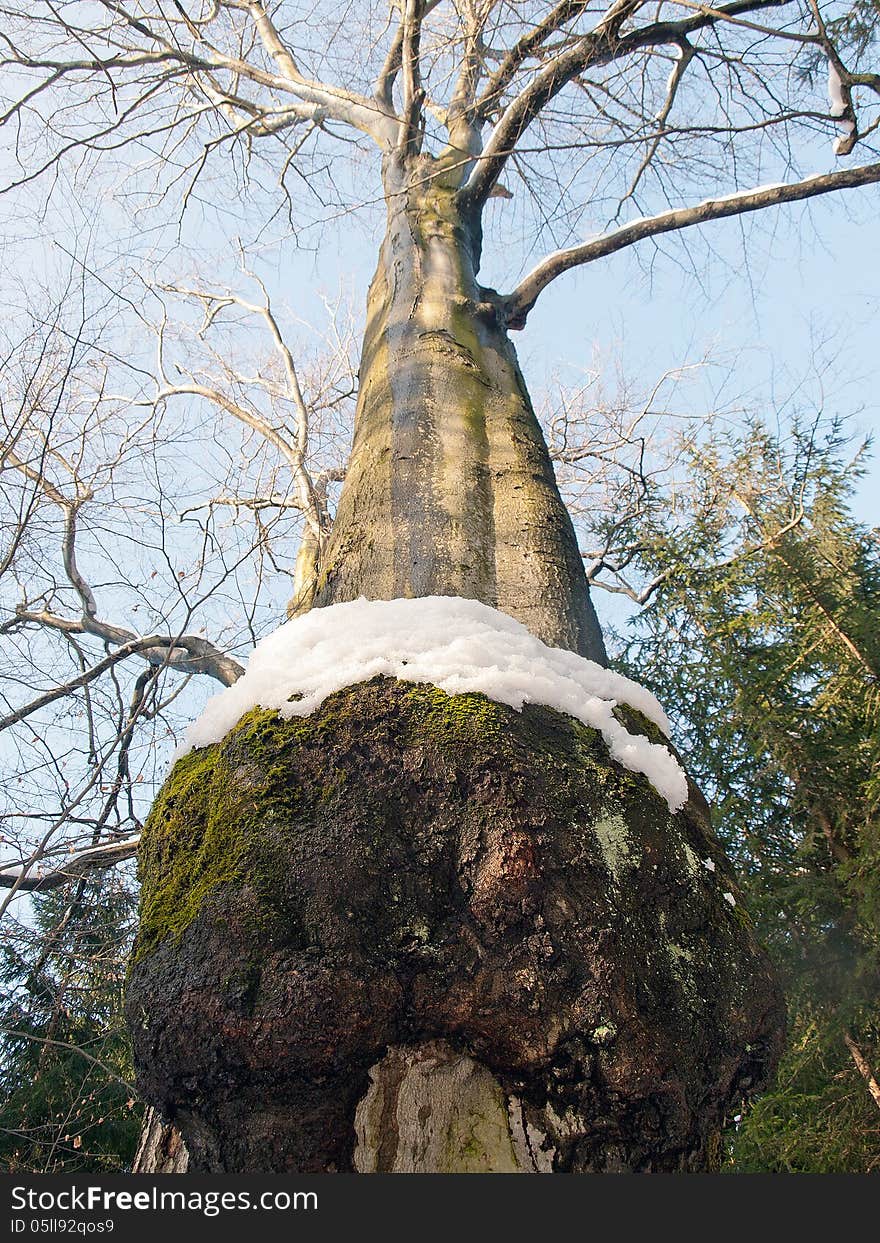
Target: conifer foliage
<point>66,1101</point>
<point>762,643</point>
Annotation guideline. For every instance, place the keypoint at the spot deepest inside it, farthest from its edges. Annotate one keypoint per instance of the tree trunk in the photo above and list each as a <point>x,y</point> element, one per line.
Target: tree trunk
<point>450,490</point>
<point>161,1149</point>
<point>414,931</point>
<point>419,932</point>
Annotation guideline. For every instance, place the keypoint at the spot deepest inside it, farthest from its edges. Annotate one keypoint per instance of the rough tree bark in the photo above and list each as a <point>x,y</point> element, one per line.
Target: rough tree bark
<point>425,932</point>
<point>161,1149</point>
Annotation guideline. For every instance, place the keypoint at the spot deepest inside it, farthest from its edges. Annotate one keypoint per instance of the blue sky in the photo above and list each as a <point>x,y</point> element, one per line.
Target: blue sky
<point>788,303</point>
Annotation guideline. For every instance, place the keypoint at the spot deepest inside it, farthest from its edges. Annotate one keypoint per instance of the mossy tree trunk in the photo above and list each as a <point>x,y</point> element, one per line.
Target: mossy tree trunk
<point>421,932</point>
<point>381,940</point>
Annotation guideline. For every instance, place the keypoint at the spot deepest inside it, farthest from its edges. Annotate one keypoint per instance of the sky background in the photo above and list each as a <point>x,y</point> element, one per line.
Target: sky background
<point>783,304</point>
<point>780,306</point>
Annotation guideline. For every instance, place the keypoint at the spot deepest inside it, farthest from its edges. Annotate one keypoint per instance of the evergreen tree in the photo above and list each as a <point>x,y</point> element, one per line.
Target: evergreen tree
<point>761,641</point>
<point>66,1103</point>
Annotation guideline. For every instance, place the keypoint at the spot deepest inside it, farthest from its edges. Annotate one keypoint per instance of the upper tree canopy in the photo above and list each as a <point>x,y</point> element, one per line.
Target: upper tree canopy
<point>609,123</point>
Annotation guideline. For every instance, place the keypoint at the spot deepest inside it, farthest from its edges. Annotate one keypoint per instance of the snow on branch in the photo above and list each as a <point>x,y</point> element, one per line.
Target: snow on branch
<point>608,42</point>
<point>460,646</point>
<point>516,306</point>
<point>840,99</point>
<point>73,868</point>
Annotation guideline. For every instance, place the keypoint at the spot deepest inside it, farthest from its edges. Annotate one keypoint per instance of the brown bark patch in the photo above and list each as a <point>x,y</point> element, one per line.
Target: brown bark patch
<point>405,867</point>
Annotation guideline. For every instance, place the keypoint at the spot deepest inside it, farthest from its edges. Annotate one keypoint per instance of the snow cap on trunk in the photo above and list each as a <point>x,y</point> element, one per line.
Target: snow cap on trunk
<point>457,645</point>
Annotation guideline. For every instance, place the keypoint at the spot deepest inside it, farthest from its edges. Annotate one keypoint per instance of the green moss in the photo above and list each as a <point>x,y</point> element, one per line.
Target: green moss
<point>211,823</point>
<point>741,915</point>
<point>190,845</point>
<point>226,812</point>
<point>454,719</point>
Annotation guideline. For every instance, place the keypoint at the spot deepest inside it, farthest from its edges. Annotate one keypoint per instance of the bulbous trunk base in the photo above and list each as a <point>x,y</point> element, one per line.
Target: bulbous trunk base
<point>420,931</point>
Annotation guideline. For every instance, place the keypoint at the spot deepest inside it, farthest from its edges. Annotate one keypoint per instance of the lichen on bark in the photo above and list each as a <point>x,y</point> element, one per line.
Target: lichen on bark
<point>404,867</point>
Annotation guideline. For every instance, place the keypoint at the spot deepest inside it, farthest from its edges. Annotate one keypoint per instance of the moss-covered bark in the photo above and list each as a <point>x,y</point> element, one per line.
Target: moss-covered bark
<point>405,867</point>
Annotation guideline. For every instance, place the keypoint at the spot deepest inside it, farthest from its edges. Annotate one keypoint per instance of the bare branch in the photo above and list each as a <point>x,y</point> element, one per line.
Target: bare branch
<point>516,306</point>
<point>603,45</point>
<point>358,111</point>
<point>408,139</point>
<point>70,1048</point>
<point>862,1066</point>
<point>74,868</point>
<point>186,652</point>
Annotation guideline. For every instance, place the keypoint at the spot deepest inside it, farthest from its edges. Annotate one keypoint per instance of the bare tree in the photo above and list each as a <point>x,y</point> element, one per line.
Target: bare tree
<point>85,476</point>
<point>451,97</point>
<point>620,122</point>
<point>114,568</point>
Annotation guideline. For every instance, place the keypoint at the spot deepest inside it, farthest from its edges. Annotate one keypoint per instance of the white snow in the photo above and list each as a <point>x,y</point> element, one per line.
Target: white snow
<point>729,898</point>
<point>835,92</point>
<point>741,194</point>
<point>455,644</point>
<point>677,56</point>
<point>840,146</point>
<point>709,865</point>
